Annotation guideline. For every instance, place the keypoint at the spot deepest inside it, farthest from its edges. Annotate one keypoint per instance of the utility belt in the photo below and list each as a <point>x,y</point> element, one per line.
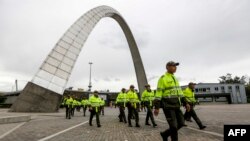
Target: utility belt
<point>149,103</point>
<point>121,104</point>
<point>96,108</point>
<point>171,103</point>
<point>132,104</point>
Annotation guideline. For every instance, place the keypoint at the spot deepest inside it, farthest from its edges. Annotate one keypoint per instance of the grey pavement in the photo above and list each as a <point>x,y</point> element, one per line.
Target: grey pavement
<point>54,126</point>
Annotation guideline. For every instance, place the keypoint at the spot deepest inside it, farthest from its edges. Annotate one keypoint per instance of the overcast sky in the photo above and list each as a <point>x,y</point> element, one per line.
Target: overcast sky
<point>208,37</point>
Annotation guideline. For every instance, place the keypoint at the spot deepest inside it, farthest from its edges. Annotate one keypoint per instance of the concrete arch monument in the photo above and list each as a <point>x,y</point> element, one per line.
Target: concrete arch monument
<point>44,92</point>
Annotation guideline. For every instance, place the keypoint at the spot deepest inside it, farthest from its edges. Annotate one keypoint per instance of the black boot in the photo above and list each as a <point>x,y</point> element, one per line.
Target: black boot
<point>163,136</point>
<point>202,127</point>
<point>154,125</point>
<point>137,125</point>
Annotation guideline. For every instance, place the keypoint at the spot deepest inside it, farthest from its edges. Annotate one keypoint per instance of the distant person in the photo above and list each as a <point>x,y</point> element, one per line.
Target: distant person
<point>190,99</point>
<point>85,104</point>
<point>169,96</point>
<point>148,97</point>
<point>121,101</point>
<point>69,104</point>
<point>95,103</point>
<point>133,101</point>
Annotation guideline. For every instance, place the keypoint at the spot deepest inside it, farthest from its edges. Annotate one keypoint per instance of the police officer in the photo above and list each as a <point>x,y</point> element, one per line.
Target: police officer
<point>190,99</point>
<point>148,97</point>
<point>169,95</point>
<point>133,101</point>
<point>95,103</point>
<point>121,101</point>
<point>85,104</point>
<point>74,105</point>
<point>69,102</point>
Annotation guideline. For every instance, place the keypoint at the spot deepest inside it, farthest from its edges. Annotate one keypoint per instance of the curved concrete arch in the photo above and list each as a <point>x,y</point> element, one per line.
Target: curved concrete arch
<point>55,71</point>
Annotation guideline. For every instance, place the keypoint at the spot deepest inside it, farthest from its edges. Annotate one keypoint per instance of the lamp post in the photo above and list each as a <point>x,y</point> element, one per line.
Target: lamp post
<point>90,85</point>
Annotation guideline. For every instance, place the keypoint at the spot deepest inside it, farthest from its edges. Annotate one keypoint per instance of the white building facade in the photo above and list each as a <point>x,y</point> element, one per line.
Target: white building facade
<point>216,92</point>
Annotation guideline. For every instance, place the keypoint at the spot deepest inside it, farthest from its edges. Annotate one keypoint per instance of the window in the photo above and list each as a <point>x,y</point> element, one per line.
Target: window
<point>204,89</point>
<point>208,90</point>
<point>230,88</point>
<point>237,87</point>
<point>222,89</point>
<point>216,89</point>
<point>196,90</point>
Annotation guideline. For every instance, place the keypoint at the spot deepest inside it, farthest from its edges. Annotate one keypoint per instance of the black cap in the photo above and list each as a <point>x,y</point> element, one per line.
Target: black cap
<point>172,63</point>
<point>123,89</point>
<point>191,83</point>
<point>132,86</point>
<point>147,85</point>
<point>96,92</point>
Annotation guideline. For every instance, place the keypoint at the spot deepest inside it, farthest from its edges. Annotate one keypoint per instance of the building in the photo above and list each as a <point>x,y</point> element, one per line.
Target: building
<point>216,92</point>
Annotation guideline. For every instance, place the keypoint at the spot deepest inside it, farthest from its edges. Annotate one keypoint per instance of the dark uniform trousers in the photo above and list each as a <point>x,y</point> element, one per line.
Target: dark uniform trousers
<point>175,120</point>
<point>84,108</point>
<point>122,115</point>
<point>149,113</point>
<point>193,114</point>
<point>132,111</point>
<point>174,116</point>
<point>68,112</point>
<point>92,113</point>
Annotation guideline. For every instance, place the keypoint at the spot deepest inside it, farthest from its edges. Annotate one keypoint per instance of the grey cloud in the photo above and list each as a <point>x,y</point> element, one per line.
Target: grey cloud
<point>202,35</point>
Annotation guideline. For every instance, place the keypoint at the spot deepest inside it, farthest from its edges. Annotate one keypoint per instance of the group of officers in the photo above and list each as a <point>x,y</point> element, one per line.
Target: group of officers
<point>169,96</point>
<point>94,103</point>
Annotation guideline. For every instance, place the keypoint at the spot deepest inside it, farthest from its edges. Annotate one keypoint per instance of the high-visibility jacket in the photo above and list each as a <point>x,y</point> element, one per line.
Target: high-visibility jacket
<point>85,102</point>
<point>133,98</point>
<point>189,95</point>
<point>95,102</point>
<point>64,101</point>
<point>148,96</point>
<point>75,103</point>
<point>122,99</point>
<point>69,101</point>
<point>168,88</point>
<point>79,103</point>
<point>102,102</point>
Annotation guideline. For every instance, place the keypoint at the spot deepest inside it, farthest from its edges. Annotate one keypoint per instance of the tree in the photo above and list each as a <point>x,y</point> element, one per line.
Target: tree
<point>228,79</point>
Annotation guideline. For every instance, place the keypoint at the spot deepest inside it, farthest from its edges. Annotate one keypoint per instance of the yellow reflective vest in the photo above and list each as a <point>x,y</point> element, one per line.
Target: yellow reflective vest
<point>102,102</point>
<point>168,87</point>
<point>132,98</point>
<point>148,96</point>
<point>69,102</point>
<point>95,102</point>
<point>85,102</point>
<point>122,98</point>
<point>189,95</point>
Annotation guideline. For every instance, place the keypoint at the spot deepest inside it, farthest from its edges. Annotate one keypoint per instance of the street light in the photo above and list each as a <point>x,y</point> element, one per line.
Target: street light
<point>90,85</point>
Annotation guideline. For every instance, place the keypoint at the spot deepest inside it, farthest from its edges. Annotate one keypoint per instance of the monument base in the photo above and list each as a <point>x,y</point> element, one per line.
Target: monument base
<point>35,98</point>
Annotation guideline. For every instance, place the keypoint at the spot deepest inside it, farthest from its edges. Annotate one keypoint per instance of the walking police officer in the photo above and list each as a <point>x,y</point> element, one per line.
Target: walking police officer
<point>169,95</point>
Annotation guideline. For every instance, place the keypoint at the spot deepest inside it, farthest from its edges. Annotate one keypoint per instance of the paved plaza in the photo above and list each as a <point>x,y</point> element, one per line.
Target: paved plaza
<point>54,126</point>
